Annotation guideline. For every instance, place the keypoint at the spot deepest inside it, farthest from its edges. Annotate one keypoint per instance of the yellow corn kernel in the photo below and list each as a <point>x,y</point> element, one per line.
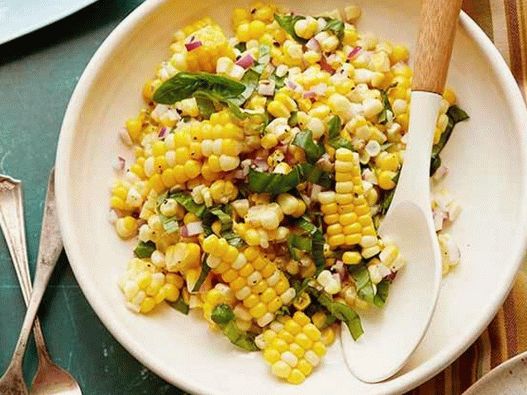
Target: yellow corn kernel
<point>269,140</point>
<point>278,109</point>
<point>385,179</point>
<point>351,257</point>
<point>126,227</point>
<point>134,127</point>
<point>399,54</point>
<point>449,96</point>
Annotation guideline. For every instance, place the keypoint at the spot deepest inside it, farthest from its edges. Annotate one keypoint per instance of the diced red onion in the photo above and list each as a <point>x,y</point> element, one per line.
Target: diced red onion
<point>324,65</point>
<point>162,133</point>
<point>192,229</point>
<point>354,52</point>
<point>245,61</point>
<point>313,45</point>
<point>340,269</point>
<point>291,84</point>
<point>119,164</point>
<point>191,46</point>
<point>309,94</point>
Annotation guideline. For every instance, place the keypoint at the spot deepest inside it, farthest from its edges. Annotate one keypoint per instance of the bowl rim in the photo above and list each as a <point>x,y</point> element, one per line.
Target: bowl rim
<point>404,382</point>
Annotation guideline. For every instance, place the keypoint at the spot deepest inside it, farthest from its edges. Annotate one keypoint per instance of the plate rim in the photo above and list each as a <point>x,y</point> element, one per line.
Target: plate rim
<point>404,382</point>
<point>52,19</point>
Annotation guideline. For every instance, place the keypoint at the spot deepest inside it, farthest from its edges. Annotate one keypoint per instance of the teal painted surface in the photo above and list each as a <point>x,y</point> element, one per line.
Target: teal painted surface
<point>38,73</point>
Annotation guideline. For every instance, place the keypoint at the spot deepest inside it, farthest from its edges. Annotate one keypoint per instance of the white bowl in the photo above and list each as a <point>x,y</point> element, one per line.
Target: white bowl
<point>488,176</point>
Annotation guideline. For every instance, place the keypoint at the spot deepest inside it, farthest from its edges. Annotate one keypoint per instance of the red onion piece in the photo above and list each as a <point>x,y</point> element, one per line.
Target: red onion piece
<point>309,94</point>
<point>291,85</point>
<point>324,65</point>
<point>193,45</point>
<point>245,61</point>
<point>261,164</point>
<point>354,52</point>
<point>119,164</point>
<point>162,133</point>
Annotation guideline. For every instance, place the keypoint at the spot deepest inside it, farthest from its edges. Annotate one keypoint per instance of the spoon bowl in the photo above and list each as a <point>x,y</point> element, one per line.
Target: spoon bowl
<point>378,354</point>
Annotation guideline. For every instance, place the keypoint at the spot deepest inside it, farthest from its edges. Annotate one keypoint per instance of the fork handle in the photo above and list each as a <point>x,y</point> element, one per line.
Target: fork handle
<point>49,251</point>
<point>434,44</point>
<point>13,227</point>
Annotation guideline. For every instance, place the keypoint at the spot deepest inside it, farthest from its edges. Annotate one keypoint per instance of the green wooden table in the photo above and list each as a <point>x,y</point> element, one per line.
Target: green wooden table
<point>38,73</point>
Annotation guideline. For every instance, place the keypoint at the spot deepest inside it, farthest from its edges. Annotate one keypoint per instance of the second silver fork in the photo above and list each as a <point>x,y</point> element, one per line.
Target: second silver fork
<point>49,376</point>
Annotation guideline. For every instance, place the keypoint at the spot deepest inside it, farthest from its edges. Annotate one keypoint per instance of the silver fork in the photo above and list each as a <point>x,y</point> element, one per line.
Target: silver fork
<point>50,378</point>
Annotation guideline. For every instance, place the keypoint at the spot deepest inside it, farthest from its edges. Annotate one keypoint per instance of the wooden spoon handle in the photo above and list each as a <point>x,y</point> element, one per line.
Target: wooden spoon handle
<point>434,44</point>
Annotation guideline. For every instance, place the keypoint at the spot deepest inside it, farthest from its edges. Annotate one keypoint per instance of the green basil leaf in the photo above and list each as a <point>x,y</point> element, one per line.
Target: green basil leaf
<point>382,293</point>
<point>335,26</point>
<point>144,249</point>
<point>296,242</point>
<point>233,239</point>
<point>223,316</point>
<point>184,84</point>
<point>455,115</point>
<point>274,183</point>
<point>311,148</point>
<point>226,225</point>
<point>343,313</point>
<point>250,82</point>
<point>317,241</point>
<point>388,196</point>
<point>180,305</point>
<point>242,47</point>
<point>287,22</point>
<point>264,57</point>
<point>387,111</point>
<point>334,137</point>
<point>363,283</point>
<point>293,119</point>
<point>186,201</point>
<point>205,270</point>
<point>279,82</point>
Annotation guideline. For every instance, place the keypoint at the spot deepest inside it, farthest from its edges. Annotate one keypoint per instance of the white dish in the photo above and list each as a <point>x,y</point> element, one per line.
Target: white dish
<point>19,17</point>
<point>486,155</point>
<point>509,378</point>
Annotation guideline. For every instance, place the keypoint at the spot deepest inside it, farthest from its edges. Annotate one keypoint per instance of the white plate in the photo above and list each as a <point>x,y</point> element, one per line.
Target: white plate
<point>509,378</point>
<point>19,17</point>
<point>488,175</point>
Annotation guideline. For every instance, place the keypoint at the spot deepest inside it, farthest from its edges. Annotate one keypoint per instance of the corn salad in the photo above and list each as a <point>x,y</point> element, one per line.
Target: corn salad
<point>263,164</point>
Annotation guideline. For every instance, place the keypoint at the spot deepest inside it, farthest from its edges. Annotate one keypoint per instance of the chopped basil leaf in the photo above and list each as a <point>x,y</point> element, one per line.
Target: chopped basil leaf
<point>242,47</point>
<point>226,225</point>
<point>186,201</point>
<point>224,317</point>
<point>363,283</point>
<point>334,137</point>
<point>317,241</point>
<point>263,59</point>
<point>335,26</point>
<point>387,112</point>
<point>205,270</point>
<point>293,119</point>
<point>287,22</point>
<point>388,197</point>
<point>455,115</point>
<point>311,148</point>
<point>276,183</point>
<point>340,311</point>
<point>144,249</point>
<point>296,242</point>
<point>382,293</point>
<point>250,82</point>
<point>279,82</point>
<point>184,84</point>
<point>180,305</point>
<point>206,103</point>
